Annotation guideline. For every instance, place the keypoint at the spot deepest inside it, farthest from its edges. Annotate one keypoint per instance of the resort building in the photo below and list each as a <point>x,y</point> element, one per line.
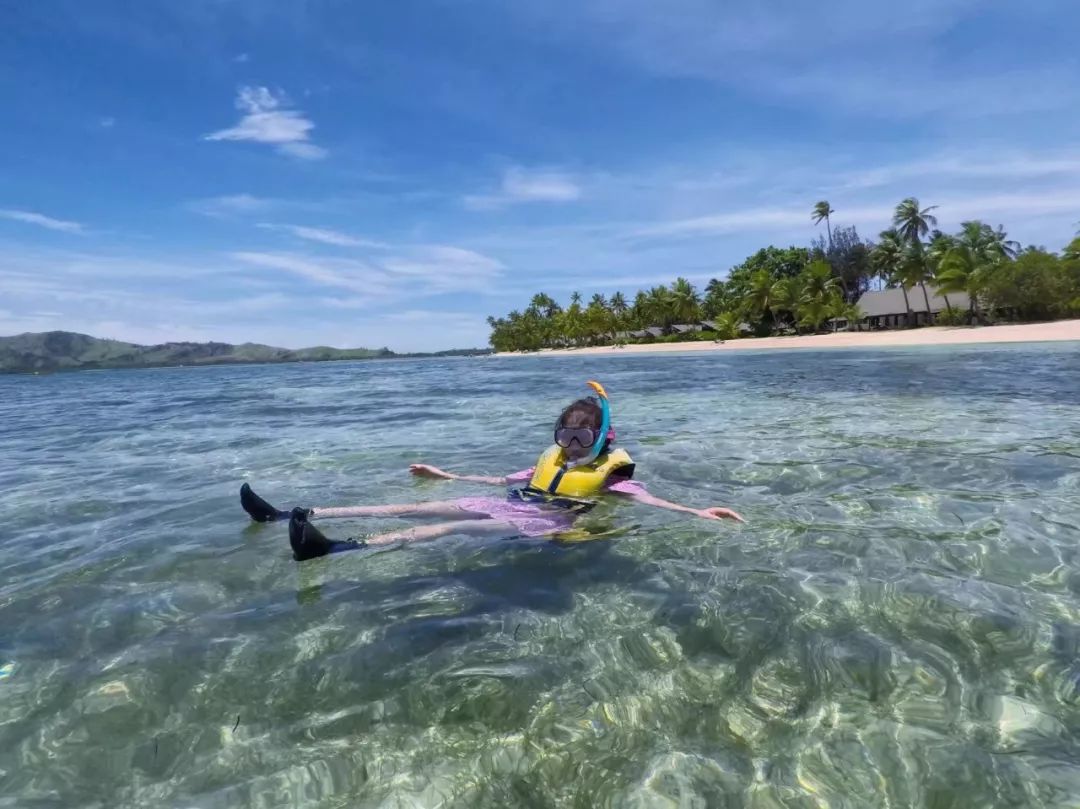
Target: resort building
<point>885,309</point>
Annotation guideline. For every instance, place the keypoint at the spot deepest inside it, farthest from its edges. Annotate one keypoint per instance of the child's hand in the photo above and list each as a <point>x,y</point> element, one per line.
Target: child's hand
<point>717,513</point>
<point>422,470</point>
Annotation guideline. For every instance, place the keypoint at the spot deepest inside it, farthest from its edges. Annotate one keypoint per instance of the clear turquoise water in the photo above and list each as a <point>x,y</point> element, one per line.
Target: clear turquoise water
<point>898,625</point>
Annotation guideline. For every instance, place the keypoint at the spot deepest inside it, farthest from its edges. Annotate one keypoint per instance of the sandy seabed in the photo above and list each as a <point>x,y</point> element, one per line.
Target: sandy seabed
<point>929,336</point>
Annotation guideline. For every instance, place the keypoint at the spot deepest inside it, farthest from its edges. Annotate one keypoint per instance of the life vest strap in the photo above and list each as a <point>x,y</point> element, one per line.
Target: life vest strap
<point>530,494</point>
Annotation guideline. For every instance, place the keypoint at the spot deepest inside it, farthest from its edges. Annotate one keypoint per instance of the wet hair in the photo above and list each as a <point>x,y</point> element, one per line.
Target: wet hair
<point>582,413</point>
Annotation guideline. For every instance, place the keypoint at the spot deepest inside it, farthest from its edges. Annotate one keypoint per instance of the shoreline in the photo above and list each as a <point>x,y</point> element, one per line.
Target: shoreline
<point>1055,331</point>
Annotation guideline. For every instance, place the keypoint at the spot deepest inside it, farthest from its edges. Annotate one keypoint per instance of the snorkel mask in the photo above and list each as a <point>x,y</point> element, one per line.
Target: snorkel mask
<point>603,436</point>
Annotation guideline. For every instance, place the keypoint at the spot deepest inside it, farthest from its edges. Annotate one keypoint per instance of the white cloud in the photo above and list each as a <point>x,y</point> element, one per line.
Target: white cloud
<point>199,298</point>
<point>544,186</point>
<point>268,119</point>
<point>106,122</point>
<point>407,272</point>
<point>995,167</point>
<point>303,151</point>
<point>753,220</point>
<point>231,205</point>
<point>148,322</point>
<point>33,218</point>
<point>784,222</point>
<point>348,274</point>
<point>520,185</point>
<point>849,55</point>
<point>440,268</point>
<point>325,236</point>
<point>1015,206</point>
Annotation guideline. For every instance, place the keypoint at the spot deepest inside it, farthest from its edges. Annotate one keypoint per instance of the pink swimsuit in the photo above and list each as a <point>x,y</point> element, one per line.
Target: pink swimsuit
<point>531,519</point>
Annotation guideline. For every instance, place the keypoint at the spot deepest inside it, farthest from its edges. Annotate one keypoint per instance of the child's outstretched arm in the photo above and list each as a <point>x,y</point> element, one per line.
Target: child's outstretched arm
<point>422,470</point>
<point>713,513</point>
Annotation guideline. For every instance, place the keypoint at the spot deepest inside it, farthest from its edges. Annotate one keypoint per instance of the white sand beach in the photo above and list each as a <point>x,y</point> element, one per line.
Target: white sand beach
<point>933,335</point>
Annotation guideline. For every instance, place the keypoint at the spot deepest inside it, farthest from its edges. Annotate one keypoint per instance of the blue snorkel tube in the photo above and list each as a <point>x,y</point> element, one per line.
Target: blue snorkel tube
<point>605,427</point>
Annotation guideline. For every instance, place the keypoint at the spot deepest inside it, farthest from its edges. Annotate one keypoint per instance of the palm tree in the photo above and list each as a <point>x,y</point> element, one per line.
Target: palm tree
<point>785,296</point>
<point>659,307</point>
<point>545,304</point>
<point>819,281</point>
<point>822,210</point>
<point>939,247</point>
<point>758,295</point>
<point>1072,252</point>
<point>840,309</point>
<point>975,252</point>
<point>727,326</point>
<point>598,318</point>
<point>989,243</point>
<point>498,337</point>
<point>820,289</point>
<point>911,222</point>
<point>888,258</point>
<point>618,308</point>
<point>684,301</point>
<point>1002,244</point>
<point>813,312</point>
<point>572,320</point>
<point>717,298</point>
<point>618,305</point>
<point>543,309</point>
<point>961,270</point>
<point>639,312</point>
<point>916,270</point>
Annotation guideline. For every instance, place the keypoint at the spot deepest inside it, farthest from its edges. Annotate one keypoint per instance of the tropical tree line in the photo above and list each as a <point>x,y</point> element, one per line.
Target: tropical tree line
<point>807,289</point>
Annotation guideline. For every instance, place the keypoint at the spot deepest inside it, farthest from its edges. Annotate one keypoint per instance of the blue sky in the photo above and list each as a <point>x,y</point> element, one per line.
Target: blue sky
<point>330,172</point>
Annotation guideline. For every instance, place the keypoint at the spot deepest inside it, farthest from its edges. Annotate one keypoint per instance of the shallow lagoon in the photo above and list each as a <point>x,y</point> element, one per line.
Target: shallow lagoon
<point>898,625</point>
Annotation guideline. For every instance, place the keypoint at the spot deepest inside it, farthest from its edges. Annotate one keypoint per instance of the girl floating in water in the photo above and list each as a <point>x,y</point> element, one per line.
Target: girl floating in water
<point>582,464</point>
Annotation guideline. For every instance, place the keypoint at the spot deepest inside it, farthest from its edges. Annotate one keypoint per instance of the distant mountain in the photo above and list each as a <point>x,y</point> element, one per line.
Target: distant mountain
<point>64,351</point>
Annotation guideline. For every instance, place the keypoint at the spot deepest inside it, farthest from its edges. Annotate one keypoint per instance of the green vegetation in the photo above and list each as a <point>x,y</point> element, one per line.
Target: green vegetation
<point>809,289</point>
<point>61,351</point>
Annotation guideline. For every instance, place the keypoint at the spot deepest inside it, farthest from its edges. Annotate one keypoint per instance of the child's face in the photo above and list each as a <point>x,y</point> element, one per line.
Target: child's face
<point>576,453</point>
<point>576,449</point>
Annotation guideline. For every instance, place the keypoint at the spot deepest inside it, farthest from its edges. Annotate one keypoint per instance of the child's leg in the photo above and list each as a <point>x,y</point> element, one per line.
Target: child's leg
<point>434,508</point>
<point>262,511</point>
<point>308,542</point>
<point>487,528</point>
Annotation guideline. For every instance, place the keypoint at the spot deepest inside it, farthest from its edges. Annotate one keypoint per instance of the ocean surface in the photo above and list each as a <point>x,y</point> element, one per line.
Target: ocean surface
<point>898,624</point>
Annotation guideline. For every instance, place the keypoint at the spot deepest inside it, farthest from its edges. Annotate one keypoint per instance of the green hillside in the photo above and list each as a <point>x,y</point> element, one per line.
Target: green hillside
<point>62,351</point>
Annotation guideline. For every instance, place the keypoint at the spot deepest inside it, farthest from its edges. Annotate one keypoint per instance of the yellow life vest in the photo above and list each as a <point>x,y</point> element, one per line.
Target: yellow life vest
<point>552,477</point>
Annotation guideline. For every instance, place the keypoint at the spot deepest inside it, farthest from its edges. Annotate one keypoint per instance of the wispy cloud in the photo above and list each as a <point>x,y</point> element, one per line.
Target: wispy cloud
<point>408,272</point>
<point>752,220</point>
<point>162,313</point>
<point>347,274</point>
<point>441,268</point>
<point>999,167</point>
<point>880,64</point>
<point>107,122</point>
<point>268,119</point>
<point>33,218</point>
<point>325,236</point>
<point>786,222</point>
<point>520,185</point>
<point>231,205</point>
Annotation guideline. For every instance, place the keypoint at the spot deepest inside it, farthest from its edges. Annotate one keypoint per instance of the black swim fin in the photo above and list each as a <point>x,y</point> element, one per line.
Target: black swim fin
<point>308,542</point>
<point>258,509</point>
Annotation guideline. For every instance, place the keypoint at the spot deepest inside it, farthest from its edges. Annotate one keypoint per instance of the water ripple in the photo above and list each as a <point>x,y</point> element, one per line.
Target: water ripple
<point>897,626</point>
